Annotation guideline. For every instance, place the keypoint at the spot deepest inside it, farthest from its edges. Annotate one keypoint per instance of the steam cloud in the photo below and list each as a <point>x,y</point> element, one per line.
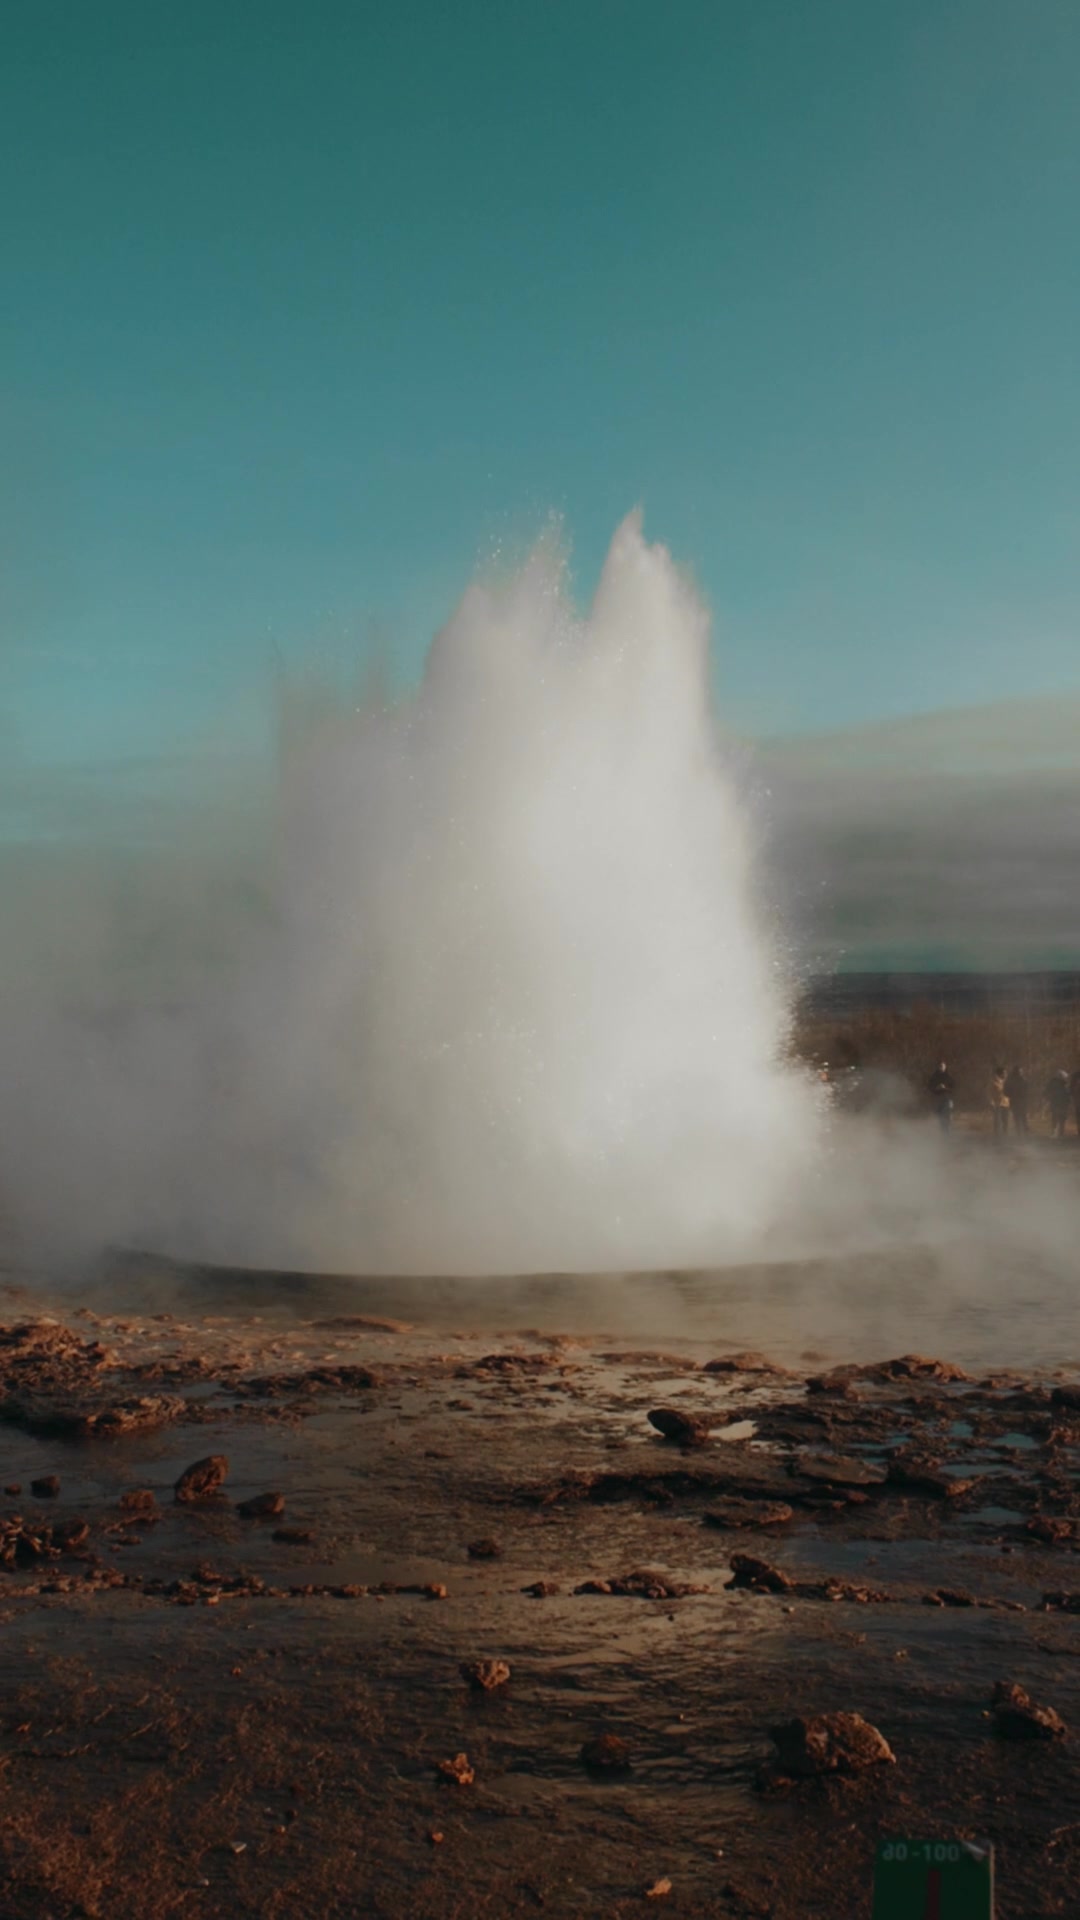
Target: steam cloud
<point>506,1003</point>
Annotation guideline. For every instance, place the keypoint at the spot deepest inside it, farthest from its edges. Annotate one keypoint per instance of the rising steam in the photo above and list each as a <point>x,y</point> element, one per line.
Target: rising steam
<point>510,1008</point>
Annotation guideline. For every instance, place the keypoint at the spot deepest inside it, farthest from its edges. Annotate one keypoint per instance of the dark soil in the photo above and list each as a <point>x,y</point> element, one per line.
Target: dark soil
<point>515,1652</point>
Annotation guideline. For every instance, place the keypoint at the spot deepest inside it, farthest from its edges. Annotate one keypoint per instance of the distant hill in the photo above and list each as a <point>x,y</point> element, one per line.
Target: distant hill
<point>843,993</point>
<point>946,842</point>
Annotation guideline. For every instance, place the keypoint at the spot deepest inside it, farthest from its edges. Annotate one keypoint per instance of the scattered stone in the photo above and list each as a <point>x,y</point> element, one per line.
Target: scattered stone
<point>262,1506</point>
<point>483,1550</point>
<point>47,1488</point>
<point>833,1588</point>
<point>839,1470</point>
<point>1066,1397</point>
<point>1016,1717</point>
<point>829,1743</point>
<point>607,1754</point>
<point>1054,1529</point>
<point>836,1385</point>
<point>949,1597</point>
<point>514,1363</point>
<point>644,1584</point>
<point>757,1575</point>
<point>293,1536</point>
<point>686,1429</point>
<point>22,1544</point>
<point>13,1491</point>
<point>737,1513</point>
<point>139,1415</point>
<point>434,1590</point>
<point>658,1889</point>
<point>70,1535</point>
<point>312,1381</point>
<point>1061,1602</point>
<point>457,1771</point>
<point>918,1366</point>
<point>923,1473</point>
<point>140,1500</point>
<point>485,1676</point>
<point>742,1363</point>
<point>542,1589</point>
<point>202,1479</point>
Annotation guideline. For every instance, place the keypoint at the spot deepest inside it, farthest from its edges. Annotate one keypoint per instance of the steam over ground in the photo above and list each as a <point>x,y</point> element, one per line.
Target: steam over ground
<point>488,991</point>
<point>509,1008</point>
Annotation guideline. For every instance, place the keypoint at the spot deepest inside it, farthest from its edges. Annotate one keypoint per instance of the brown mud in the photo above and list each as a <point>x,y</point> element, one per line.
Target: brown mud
<point>446,1625</point>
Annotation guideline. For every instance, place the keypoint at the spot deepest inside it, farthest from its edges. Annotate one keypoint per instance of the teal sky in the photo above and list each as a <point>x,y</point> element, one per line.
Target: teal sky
<point>305,309</point>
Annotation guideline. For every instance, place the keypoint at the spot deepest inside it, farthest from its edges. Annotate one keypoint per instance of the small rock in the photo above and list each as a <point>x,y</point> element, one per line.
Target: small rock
<point>837,1385</point>
<point>736,1513</point>
<point>757,1575</point>
<point>293,1536</point>
<point>924,1473</point>
<point>139,1500</point>
<point>644,1583</point>
<point>606,1754</point>
<point>829,1743</point>
<point>686,1429</point>
<point>434,1590</point>
<point>741,1363</point>
<point>13,1491</point>
<point>47,1488</point>
<point>1054,1529</point>
<point>70,1535</point>
<point>483,1550</point>
<point>262,1506</point>
<point>484,1676</point>
<point>457,1771</point>
<point>1016,1717</point>
<point>918,1366</point>
<point>839,1470</point>
<point>542,1589</point>
<point>658,1889</point>
<point>201,1479</point>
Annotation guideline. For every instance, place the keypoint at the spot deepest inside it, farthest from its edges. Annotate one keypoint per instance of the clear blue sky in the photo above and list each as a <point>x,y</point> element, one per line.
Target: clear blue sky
<point>303,307</point>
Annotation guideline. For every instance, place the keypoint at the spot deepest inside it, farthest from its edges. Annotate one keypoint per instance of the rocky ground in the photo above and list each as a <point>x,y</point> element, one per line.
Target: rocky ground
<point>442,1627</point>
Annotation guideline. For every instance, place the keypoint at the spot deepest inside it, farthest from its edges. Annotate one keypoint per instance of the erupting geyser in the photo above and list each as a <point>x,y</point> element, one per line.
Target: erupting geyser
<point>514,1011</point>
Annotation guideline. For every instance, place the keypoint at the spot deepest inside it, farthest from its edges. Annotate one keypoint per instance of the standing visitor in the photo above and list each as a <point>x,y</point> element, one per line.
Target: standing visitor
<point>998,1101</point>
<point>1018,1095</point>
<point>941,1087</point>
<point>1057,1099</point>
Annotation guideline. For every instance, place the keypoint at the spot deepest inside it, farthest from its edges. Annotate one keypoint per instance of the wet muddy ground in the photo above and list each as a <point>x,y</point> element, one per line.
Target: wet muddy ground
<point>207,1711</point>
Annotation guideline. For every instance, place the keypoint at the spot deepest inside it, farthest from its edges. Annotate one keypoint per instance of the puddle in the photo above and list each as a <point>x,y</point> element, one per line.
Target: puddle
<point>992,1517</point>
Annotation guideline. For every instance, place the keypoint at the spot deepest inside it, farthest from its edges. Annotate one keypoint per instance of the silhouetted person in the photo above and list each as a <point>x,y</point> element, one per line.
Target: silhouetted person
<point>1058,1099</point>
<point>1019,1094</point>
<point>998,1102</point>
<point>941,1087</point>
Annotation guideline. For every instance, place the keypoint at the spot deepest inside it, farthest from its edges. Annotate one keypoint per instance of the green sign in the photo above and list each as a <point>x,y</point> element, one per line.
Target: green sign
<point>934,1880</point>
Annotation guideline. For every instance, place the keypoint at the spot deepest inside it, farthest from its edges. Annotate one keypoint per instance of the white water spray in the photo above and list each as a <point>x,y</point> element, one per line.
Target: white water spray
<point>513,1012</point>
